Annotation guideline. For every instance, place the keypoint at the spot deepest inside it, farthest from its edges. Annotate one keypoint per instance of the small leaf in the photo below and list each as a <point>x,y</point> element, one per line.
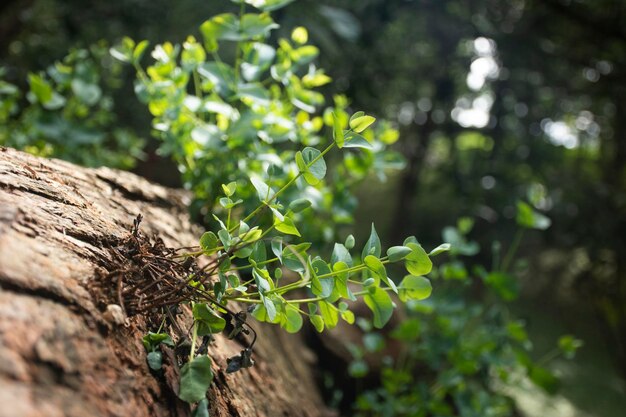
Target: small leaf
<point>354,140</point>
<point>359,124</point>
<point>397,253</point>
<point>444,247</point>
<point>152,340</point>
<point>300,35</point>
<point>251,235</point>
<point>295,262</point>
<point>372,246</point>
<point>341,254</point>
<point>225,238</point>
<point>299,205</point>
<point>263,190</point>
<point>270,308</point>
<point>313,172</point>
<point>414,288</point>
<point>380,304</point>
<point>322,287</point>
<point>291,320</point>
<point>317,322</point>
<point>338,134</point>
<point>376,267</point>
<point>417,262</point>
<point>286,226</point>
<point>329,314</point>
<point>155,360</point>
<point>349,243</point>
<point>229,189</point>
<point>529,218</point>
<point>202,410</point>
<point>208,321</point>
<point>195,379</point>
<point>277,247</point>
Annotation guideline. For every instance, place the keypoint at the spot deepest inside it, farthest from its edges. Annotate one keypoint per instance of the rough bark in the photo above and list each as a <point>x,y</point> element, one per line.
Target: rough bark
<point>58,354</point>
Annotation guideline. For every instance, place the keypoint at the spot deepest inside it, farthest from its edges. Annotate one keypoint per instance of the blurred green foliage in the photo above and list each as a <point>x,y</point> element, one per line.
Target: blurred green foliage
<point>457,355</point>
<point>68,112</point>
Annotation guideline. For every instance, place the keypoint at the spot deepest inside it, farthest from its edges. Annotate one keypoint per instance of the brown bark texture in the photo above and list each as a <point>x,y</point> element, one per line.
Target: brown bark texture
<point>59,355</point>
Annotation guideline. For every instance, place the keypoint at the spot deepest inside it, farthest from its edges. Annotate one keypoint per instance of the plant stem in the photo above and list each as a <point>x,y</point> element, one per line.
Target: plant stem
<point>193,341</point>
<point>506,262</point>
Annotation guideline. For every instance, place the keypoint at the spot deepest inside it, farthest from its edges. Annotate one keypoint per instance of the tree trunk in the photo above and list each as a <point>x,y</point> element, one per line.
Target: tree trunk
<point>59,356</point>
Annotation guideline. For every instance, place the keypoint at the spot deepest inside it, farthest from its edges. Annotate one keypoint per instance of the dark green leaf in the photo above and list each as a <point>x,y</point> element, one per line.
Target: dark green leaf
<point>372,246</point>
<point>195,379</point>
<point>397,253</point>
<point>155,360</point>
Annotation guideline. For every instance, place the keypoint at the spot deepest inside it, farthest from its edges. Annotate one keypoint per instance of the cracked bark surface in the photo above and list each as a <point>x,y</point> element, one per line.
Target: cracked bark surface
<point>58,355</point>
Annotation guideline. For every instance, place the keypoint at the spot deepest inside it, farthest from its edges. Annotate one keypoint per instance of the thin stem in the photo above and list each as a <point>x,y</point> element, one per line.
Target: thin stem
<point>194,337</point>
<point>506,262</point>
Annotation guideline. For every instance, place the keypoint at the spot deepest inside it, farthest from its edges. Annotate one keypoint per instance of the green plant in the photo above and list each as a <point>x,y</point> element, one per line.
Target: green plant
<point>69,112</point>
<point>457,353</point>
<point>237,131</point>
<point>233,107</point>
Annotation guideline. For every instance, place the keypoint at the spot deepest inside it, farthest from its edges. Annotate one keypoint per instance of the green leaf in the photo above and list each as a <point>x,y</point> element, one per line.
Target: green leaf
<point>202,410</point>
<point>361,122</point>
<point>378,268</point>
<point>262,280</point>
<point>329,314</point>
<point>568,344</point>
<point>444,247</point>
<point>263,190</point>
<point>291,320</point>
<point>372,246</point>
<point>414,288</point>
<point>340,254</point>
<point>379,302</point>
<point>313,172</point>
<point>86,92</point>
<point>229,189</point>
<point>322,287</point>
<point>397,253</point>
<point>527,217</point>
<point>229,27</point>
<point>155,360</point>
<point>152,340</point>
<point>259,252</point>
<point>300,35</point>
<point>251,235</point>
<point>225,238</point>
<point>317,322</point>
<point>349,243</point>
<point>277,247</point>
<point>195,379</point>
<point>544,379</point>
<point>208,242</point>
<point>208,321</point>
<point>270,308</point>
<point>294,256</point>
<point>286,226</point>
<point>505,285</point>
<point>354,140</point>
<point>417,262</point>
<point>299,205</point>
<point>221,75</point>
<point>139,50</point>
<point>338,134</point>
<point>341,281</point>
